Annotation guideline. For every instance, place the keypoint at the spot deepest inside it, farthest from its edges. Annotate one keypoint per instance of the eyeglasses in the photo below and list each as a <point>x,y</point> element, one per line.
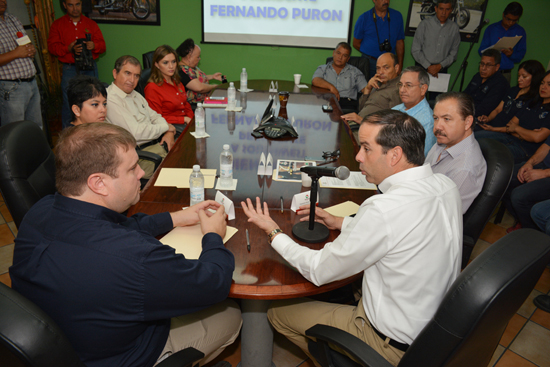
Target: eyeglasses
<point>484,65</point>
<point>406,86</point>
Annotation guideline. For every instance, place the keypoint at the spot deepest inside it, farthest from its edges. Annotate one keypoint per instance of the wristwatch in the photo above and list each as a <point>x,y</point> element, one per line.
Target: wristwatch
<point>273,234</point>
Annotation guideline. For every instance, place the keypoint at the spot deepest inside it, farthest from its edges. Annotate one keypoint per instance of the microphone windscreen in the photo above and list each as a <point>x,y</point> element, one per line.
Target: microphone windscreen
<point>342,172</point>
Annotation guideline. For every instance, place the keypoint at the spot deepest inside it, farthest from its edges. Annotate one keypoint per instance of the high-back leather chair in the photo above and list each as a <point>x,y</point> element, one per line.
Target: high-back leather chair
<point>468,325</point>
<point>29,337</point>
<point>148,59</point>
<point>27,167</point>
<point>500,166</point>
<point>143,79</point>
<point>361,63</point>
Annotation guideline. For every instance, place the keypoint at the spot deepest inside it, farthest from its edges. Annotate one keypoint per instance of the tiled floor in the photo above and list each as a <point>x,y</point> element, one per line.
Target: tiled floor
<point>526,341</point>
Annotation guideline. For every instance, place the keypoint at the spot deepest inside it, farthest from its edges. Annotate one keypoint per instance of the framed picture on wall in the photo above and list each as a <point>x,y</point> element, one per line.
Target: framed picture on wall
<point>143,12</point>
<point>468,14</point>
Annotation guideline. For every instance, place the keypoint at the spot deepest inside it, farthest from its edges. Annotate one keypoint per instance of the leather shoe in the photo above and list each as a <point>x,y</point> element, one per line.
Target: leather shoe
<point>515,227</point>
<point>542,302</point>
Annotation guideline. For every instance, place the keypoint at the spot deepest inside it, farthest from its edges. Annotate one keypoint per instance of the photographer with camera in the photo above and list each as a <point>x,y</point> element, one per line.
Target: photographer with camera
<point>378,31</point>
<point>77,41</point>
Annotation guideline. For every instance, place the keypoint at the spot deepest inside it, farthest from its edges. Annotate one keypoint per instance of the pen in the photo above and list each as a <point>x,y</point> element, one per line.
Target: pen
<point>247,241</point>
<point>282,204</point>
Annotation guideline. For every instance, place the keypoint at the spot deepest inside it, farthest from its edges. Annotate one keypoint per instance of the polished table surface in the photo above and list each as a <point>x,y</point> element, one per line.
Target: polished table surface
<point>261,273</point>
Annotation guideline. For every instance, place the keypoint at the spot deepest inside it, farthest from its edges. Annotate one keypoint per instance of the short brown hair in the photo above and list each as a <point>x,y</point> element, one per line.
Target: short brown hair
<point>87,149</point>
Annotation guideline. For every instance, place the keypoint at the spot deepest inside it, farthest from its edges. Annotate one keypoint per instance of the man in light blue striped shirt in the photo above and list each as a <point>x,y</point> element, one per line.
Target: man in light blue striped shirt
<point>413,87</point>
<point>457,154</point>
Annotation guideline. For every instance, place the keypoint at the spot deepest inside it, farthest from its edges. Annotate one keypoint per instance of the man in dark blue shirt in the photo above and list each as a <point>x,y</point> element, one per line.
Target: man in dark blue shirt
<point>121,296</point>
<point>508,27</point>
<point>378,31</point>
<point>488,87</point>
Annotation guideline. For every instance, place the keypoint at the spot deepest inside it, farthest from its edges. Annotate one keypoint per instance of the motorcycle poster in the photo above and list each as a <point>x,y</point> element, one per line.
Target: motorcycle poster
<point>143,12</point>
<point>468,15</point>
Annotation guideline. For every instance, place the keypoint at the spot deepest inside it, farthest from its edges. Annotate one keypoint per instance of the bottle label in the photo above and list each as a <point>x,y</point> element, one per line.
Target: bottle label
<point>226,170</point>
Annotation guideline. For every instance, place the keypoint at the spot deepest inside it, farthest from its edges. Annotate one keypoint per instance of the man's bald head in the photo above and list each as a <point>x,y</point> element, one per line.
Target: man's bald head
<point>387,67</point>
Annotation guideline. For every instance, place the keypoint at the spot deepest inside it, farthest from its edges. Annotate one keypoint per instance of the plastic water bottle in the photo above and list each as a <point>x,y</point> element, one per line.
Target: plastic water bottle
<point>231,95</point>
<point>200,126</point>
<point>226,167</point>
<point>196,185</point>
<point>244,80</point>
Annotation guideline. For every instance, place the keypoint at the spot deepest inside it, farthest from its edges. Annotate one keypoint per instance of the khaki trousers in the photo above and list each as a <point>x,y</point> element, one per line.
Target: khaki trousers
<point>209,331</point>
<point>147,166</point>
<point>293,317</point>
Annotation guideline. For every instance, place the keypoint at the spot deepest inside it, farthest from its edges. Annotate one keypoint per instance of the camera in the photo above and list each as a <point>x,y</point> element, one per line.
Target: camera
<point>385,46</point>
<point>224,79</point>
<point>85,60</point>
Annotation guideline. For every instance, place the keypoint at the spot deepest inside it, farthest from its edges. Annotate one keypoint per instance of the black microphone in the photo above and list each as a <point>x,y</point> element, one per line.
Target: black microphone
<point>341,172</point>
<point>483,24</point>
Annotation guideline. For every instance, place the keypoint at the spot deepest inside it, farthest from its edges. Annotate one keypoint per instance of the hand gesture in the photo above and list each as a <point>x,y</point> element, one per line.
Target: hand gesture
<point>321,216</point>
<point>190,216</point>
<point>258,216</point>
<point>352,117</point>
<point>214,223</point>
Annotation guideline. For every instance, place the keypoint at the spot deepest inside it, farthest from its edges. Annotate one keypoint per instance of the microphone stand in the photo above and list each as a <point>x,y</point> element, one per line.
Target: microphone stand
<point>311,231</point>
<point>464,64</point>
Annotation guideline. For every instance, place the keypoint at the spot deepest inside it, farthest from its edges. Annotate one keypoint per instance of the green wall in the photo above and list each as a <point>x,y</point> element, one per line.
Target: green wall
<point>181,19</point>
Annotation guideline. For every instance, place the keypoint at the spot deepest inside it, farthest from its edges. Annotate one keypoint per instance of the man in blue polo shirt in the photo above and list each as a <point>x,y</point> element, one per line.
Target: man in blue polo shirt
<point>508,27</point>
<point>378,31</point>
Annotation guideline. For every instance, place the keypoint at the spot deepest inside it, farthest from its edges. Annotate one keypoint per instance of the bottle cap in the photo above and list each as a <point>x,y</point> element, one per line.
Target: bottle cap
<point>231,84</point>
<point>196,167</point>
<point>199,104</point>
<point>244,69</point>
<point>226,147</point>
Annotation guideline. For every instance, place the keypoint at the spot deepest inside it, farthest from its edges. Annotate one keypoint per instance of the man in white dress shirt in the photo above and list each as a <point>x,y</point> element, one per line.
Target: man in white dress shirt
<point>407,241</point>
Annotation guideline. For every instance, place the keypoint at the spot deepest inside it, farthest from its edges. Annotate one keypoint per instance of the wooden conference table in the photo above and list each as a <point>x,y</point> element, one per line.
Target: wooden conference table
<point>261,275</point>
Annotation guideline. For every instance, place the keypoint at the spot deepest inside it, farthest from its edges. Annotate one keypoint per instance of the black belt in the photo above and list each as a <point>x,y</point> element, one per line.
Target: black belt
<point>369,56</point>
<point>148,144</point>
<point>18,80</point>
<point>401,346</point>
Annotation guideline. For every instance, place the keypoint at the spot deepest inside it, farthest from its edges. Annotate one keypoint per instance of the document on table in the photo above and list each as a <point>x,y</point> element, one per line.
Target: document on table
<point>356,180</point>
<point>188,240</point>
<point>344,209</point>
<point>504,42</point>
<point>179,177</point>
<point>439,84</point>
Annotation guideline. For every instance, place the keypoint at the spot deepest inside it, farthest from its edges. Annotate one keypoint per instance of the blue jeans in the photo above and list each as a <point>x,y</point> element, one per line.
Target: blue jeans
<point>23,102</point>
<point>511,142</point>
<point>525,196</point>
<point>541,215</point>
<point>69,72</point>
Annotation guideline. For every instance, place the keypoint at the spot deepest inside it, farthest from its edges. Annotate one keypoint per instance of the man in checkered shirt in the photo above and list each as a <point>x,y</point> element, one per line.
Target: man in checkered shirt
<point>19,95</point>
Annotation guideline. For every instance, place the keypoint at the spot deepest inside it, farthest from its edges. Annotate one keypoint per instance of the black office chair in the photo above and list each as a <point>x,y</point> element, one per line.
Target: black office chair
<point>29,337</point>
<point>148,59</point>
<point>27,167</point>
<point>143,79</point>
<point>471,319</point>
<point>500,165</point>
<point>361,63</point>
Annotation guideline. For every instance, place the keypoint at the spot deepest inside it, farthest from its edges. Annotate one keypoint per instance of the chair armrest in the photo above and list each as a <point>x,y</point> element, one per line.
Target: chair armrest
<point>363,353</point>
<point>183,358</point>
<point>155,158</point>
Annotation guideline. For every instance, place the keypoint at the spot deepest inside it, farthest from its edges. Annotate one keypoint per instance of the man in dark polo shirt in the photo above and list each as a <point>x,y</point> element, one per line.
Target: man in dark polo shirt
<point>487,87</point>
